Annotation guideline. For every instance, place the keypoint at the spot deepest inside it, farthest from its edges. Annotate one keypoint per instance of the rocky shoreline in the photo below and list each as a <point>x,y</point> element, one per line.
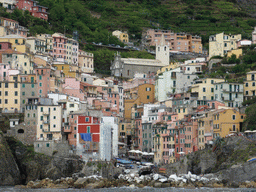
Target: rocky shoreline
<point>189,181</point>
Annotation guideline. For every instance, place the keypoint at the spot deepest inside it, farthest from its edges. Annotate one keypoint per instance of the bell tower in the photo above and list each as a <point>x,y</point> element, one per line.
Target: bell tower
<point>162,52</point>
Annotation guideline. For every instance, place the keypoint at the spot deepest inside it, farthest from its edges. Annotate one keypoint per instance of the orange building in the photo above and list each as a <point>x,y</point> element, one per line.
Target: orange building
<point>137,96</point>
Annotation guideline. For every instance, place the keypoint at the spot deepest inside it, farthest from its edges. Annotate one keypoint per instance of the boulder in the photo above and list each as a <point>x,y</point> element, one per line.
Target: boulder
<point>96,185</point>
<point>157,184</point>
<point>80,183</point>
<point>164,185</point>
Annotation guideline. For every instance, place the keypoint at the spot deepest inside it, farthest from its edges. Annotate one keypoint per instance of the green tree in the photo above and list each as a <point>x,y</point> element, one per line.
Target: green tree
<point>250,120</point>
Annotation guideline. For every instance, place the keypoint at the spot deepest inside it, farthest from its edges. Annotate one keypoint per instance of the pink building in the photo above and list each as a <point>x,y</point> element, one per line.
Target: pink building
<point>72,87</point>
<point>34,9</point>
<point>40,12</point>
<point>59,47</point>
<point>171,120</point>
<point>4,71</point>
<point>177,41</point>
<point>5,45</point>
<point>43,80</point>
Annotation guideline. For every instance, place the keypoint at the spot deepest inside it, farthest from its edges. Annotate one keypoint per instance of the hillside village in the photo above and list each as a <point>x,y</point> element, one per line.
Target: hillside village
<point>148,109</point>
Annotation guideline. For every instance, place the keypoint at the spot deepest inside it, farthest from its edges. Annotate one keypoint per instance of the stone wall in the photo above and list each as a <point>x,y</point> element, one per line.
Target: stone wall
<point>52,147</point>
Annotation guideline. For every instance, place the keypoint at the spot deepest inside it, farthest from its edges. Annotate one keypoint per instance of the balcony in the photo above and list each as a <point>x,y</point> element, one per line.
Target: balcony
<point>67,129</point>
<point>46,122</point>
<point>46,129</point>
<point>233,91</point>
<point>46,113</point>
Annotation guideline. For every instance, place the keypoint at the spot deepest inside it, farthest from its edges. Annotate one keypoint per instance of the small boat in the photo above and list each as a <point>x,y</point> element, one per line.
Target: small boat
<point>252,159</point>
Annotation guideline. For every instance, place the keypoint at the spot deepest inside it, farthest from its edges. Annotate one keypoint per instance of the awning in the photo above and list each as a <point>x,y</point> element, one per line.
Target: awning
<point>86,136</point>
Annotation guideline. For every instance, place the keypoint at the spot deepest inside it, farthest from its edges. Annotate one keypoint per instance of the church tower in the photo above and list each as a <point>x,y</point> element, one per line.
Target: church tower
<point>162,52</point>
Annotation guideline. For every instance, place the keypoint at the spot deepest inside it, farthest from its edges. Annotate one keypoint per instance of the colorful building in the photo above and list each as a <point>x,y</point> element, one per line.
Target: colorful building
<point>250,85</point>
<point>221,43</point>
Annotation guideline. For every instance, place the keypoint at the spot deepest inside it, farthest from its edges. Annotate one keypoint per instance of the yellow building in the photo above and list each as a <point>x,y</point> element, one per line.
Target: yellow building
<point>205,88</point>
<point>10,96</point>
<point>49,118</point>
<point>86,61</point>
<point>125,132</point>
<point>227,121</point>
<point>221,43</point>
<point>18,42</point>
<point>205,127</point>
<point>66,69</point>
<point>136,96</point>
<point>250,85</point>
<point>123,37</point>
<point>237,52</point>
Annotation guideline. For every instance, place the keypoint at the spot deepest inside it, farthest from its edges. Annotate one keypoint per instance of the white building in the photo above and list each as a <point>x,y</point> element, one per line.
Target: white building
<point>49,122</point>
<point>231,94</point>
<point>108,138</point>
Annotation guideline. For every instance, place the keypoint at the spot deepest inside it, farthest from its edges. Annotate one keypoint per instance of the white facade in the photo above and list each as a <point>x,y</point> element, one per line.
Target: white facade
<point>108,138</point>
<point>9,4</point>
<point>231,94</point>
<point>166,84</point>
<point>147,116</point>
<point>87,78</point>
<point>56,97</point>
<point>197,60</point>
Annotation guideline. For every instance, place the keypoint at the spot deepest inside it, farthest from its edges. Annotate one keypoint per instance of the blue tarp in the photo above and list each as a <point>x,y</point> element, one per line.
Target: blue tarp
<point>86,136</point>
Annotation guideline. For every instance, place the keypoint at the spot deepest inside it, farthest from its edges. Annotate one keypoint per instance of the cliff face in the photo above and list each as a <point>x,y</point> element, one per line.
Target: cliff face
<point>228,161</point>
<point>19,164</point>
<point>9,171</point>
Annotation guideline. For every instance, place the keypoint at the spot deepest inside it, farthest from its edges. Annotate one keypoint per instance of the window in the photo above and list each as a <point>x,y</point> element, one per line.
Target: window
<point>54,117</point>
<point>15,85</point>
<point>234,117</point>
<point>246,84</point>
<point>204,89</point>
<point>42,109</point>
<point>6,85</point>
<point>88,129</point>
<point>40,77</point>
<point>40,84</point>
<point>16,101</point>
<point>147,96</point>
<point>42,118</point>
<point>47,144</point>
<point>148,89</point>
<point>212,90</point>
<point>23,85</point>
<point>54,109</point>
<point>6,93</point>
<point>54,126</point>
<point>87,119</point>
<point>6,101</point>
